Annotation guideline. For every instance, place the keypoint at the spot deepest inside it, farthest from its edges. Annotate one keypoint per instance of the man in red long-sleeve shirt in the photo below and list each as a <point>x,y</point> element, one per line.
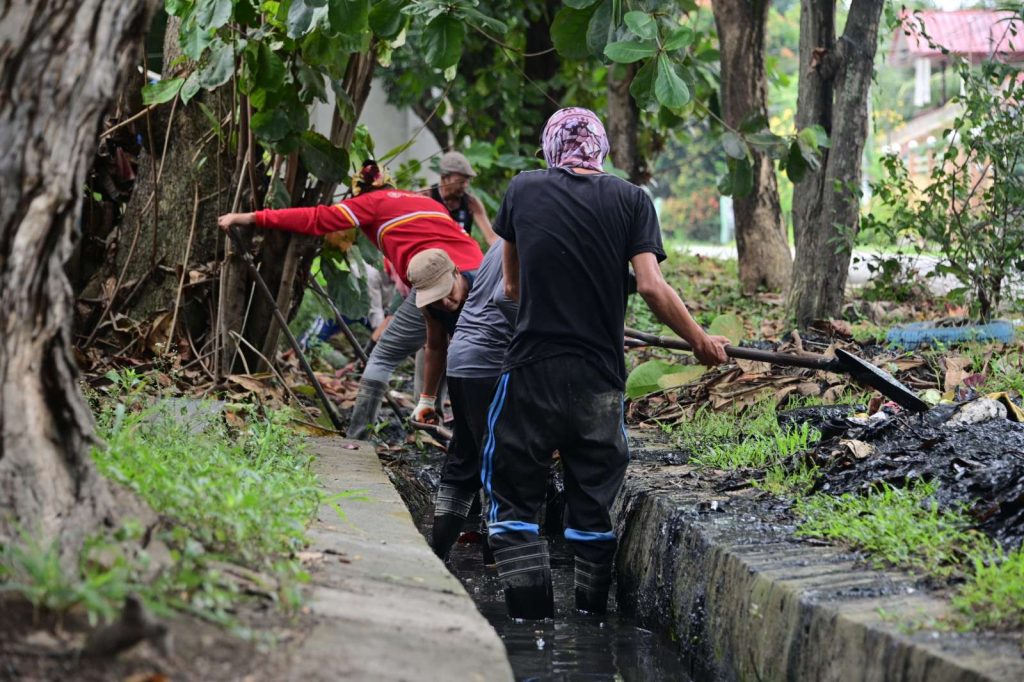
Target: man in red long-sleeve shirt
<point>400,224</point>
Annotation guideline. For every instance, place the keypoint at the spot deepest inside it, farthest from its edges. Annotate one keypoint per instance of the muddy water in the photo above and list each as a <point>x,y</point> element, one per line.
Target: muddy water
<point>572,646</point>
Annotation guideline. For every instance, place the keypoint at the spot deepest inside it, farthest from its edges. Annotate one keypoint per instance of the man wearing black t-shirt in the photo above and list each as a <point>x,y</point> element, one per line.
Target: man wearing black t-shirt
<point>571,231</point>
<point>453,192</point>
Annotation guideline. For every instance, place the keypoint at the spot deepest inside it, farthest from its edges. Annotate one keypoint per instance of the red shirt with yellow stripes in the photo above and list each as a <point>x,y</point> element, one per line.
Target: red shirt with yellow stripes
<point>400,223</point>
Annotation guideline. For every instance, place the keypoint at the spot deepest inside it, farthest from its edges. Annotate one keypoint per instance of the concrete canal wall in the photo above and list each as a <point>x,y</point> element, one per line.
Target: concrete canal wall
<point>744,601</point>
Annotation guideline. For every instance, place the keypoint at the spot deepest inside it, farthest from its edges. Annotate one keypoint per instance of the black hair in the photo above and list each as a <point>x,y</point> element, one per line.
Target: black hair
<point>370,173</point>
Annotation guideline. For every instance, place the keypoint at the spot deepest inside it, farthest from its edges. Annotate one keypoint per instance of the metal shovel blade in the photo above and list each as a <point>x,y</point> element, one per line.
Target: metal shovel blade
<point>880,380</point>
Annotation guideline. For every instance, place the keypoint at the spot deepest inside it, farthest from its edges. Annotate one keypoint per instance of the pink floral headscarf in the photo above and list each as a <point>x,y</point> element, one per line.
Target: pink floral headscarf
<point>575,138</point>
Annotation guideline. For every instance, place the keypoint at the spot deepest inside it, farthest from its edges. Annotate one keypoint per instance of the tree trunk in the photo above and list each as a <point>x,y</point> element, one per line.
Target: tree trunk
<point>623,119</point>
<point>814,103</point>
<point>832,211</point>
<point>61,63</point>
<point>763,248</point>
<point>286,273</point>
<point>158,217</point>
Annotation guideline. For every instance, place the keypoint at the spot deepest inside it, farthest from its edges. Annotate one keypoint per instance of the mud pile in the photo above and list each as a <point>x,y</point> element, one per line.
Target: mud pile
<point>977,465</point>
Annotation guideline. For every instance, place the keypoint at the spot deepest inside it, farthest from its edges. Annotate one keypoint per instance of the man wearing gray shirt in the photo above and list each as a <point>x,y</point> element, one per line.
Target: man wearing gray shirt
<point>475,355</point>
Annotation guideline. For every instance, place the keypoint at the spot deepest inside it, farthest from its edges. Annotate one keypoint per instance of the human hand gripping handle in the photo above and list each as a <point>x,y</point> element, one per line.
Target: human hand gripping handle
<point>425,411</point>
<point>229,220</point>
<point>710,350</point>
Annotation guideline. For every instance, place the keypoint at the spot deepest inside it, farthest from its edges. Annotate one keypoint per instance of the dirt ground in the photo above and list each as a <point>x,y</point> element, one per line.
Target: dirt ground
<point>196,649</point>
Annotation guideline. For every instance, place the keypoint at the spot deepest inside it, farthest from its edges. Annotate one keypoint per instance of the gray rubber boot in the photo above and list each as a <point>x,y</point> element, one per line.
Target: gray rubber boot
<point>364,413</point>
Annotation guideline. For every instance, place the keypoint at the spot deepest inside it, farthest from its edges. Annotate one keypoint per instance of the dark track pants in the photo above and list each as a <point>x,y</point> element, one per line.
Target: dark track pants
<point>565,404</point>
<point>460,479</point>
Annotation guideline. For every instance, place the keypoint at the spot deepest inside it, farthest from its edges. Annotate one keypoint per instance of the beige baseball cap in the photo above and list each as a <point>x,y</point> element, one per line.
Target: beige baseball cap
<point>432,274</point>
<point>454,162</point>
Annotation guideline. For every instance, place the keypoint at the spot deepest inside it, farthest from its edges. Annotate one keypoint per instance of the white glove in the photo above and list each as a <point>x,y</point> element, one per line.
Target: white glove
<point>425,411</point>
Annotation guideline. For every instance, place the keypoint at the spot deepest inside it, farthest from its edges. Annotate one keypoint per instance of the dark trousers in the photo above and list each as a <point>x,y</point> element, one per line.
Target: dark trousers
<point>564,404</point>
<point>460,478</point>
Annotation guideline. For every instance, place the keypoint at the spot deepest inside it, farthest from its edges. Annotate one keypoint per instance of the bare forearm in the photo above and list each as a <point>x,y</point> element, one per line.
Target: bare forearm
<point>434,362</point>
<point>510,270</point>
<point>666,305</point>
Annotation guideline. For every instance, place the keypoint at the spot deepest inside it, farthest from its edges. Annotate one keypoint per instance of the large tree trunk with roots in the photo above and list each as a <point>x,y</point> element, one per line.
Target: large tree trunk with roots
<point>763,248</point>
<point>61,62</point>
<point>165,220</point>
<point>835,76</point>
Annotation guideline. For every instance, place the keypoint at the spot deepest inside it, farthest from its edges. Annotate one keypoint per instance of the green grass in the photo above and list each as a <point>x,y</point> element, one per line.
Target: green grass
<point>994,597</point>
<point>896,526</point>
<point>904,527</point>
<point>226,497</point>
<point>727,440</point>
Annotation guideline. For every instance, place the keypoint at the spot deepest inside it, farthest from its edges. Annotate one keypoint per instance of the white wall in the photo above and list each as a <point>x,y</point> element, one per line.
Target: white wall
<point>389,127</point>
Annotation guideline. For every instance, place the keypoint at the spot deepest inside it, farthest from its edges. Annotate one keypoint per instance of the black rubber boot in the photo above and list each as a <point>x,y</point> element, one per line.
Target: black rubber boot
<point>525,572</point>
<point>444,534</point>
<point>364,413</point>
<point>592,583</point>
<point>588,601</point>
<point>532,602</point>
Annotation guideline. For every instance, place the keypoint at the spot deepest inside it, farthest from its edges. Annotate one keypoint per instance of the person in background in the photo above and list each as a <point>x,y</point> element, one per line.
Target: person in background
<point>401,224</point>
<point>571,233</point>
<point>473,357</point>
<point>453,192</point>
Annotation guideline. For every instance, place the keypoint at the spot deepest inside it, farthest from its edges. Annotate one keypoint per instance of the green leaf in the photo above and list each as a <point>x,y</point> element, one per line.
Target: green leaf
<point>669,88</point>
<point>734,145</point>
<point>177,8</point>
<point>271,125</point>
<point>277,195</point>
<point>765,142</point>
<point>191,88</point>
<point>483,20</point>
<point>443,41</point>
<point>754,123</point>
<point>569,33</point>
<point>386,18</point>
<point>269,72</point>
<point>629,51</point>
<point>642,24</point>
<point>312,82</point>
<point>599,30</point>
<point>212,14</point>
<point>642,87</point>
<point>681,38</point>
<point>742,174</point>
<point>796,167</point>
<point>219,67</point>
<point>161,91</point>
<point>644,378</point>
<point>820,136</point>
<point>194,40</point>
<point>687,375</point>
<point>348,16</point>
<point>327,162</point>
<point>300,19</point>
<point>580,4</point>
<point>728,325</point>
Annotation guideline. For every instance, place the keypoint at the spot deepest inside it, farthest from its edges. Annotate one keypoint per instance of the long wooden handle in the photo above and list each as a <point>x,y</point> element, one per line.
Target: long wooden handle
<point>272,300</point>
<point>808,360</point>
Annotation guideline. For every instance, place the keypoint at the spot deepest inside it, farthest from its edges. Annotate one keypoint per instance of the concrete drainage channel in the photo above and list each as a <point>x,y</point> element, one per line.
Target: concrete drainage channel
<point>745,601</point>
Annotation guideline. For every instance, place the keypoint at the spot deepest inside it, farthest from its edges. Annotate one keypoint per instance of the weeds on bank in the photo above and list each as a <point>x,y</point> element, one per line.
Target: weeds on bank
<point>726,440</point>
<point>904,527</point>
<point>231,501</point>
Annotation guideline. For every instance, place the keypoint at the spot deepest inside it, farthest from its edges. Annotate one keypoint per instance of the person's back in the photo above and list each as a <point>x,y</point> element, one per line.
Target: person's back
<point>577,232</point>
<point>572,232</point>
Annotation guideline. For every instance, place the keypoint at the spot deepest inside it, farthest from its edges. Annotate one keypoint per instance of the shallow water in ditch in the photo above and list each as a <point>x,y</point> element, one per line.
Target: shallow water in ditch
<point>571,646</point>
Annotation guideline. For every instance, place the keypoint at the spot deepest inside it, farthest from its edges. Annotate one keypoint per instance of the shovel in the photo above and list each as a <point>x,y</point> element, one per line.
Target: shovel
<point>859,370</point>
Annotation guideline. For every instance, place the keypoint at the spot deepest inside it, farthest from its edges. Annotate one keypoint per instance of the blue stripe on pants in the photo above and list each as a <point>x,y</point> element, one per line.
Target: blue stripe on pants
<point>487,463</point>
